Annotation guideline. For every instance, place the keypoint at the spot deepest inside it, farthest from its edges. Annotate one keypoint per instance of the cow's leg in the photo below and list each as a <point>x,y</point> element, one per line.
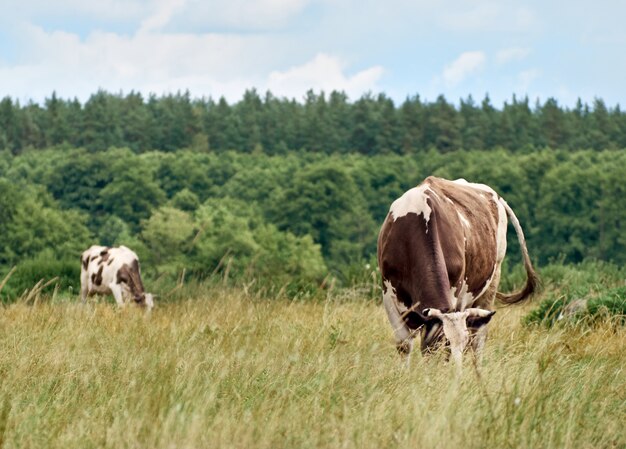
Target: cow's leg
<point>84,287</point>
<point>432,339</point>
<point>479,337</point>
<point>401,332</point>
<point>478,332</point>
<point>118,294</point>
<point>83,293</point>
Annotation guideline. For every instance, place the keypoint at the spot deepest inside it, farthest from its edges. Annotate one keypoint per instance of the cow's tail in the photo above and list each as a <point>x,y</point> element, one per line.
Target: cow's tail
<point>532,280</point>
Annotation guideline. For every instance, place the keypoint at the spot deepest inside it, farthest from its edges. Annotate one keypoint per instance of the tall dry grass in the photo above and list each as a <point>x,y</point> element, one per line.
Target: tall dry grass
<point>225,369</point>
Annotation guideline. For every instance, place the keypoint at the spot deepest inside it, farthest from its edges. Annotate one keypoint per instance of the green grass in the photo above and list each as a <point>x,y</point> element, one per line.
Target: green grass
<point>598,289</point>
<point>224,369</point>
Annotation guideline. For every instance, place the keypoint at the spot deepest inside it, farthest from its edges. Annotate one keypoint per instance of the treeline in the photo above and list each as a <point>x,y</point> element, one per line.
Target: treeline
<point>321,123</point>
<point>294,220</point>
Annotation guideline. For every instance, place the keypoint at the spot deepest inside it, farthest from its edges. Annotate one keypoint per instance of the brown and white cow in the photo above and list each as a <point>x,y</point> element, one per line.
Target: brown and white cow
<point>113,271</point>
<point>440,251</point>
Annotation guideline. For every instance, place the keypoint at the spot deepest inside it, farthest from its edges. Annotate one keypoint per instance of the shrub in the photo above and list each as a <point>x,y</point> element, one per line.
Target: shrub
<point>609,303</point>
<point>43,266</point>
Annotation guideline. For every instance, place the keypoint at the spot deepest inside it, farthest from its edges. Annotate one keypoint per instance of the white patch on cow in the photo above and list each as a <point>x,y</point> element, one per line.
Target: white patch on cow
<point>463,299</point>
<point>483,187</point>
<point>414,201</point>
<point>501,233</point>
<point>394,310</point>
<point>464,221</point>
<point>117,292</point>
<point>455,330</point>
<point>453,298</point>
<point>149,301</point>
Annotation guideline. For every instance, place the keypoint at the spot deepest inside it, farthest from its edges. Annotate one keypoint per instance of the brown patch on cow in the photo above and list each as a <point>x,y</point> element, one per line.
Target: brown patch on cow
<point>85,262</point>
<point>130,276</point>
<point>96,278</point>
<point>135,266</point>
<point>110,261</point>
<point>99,277</point>
<point>104,256</point>
<point>122,275</point>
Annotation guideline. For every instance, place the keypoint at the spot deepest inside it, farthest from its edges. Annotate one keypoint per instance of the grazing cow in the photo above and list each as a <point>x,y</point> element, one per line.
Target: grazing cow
<point>440,251</point>
<point>113,271</point>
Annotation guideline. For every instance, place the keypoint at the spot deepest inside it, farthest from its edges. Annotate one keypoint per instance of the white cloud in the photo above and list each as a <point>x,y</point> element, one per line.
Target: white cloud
<point>156,62</point>
<point>99,10</point>
<point>512,54</point>
<point>526,78</point>
<point>161,16</point>
<point>465,65</point>
<point>483,15</point>
<point>150,15</point>
<point>236,14</point>
<point>147,62</point>
<point>323,72</point>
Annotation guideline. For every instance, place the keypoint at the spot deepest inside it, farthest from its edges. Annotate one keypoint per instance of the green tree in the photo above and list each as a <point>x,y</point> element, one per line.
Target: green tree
<point>168,234</point>
<point>233,237</point>
<point>412,124</point>
<point>471,130</point>
<point>553,126</point>
<point>567,209</point>
<point>102,122</point>
<point>31,222</point>
<point>76,180</point>
<point>442,127</point>
<point>56,126</point>
<point>324,202</point>
<point>133,191</point>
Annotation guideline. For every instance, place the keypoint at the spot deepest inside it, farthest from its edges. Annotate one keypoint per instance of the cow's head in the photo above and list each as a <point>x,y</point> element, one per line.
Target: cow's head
<point>455,327</point>
<point>144,300</point>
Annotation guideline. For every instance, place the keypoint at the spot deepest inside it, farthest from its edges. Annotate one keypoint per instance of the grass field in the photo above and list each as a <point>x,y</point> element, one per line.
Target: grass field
<point>223,369</point>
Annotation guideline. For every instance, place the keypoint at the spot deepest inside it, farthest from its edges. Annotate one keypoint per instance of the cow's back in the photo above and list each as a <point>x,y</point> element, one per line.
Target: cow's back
<point>438,239</point>
<point>483,222</point>
<point>101,266</point>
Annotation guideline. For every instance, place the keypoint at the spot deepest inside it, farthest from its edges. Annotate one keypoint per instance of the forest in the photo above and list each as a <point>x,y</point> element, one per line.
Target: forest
<point>289,195</point>
<point>256,225</point>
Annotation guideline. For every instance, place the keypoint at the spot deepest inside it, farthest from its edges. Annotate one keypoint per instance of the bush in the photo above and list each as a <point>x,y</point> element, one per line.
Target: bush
<point>610,304</point>
<point>574,308</point>
<point>44,266</point>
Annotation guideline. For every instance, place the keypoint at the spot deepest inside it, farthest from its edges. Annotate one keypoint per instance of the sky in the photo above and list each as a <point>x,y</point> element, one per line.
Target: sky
<point>402,48</point>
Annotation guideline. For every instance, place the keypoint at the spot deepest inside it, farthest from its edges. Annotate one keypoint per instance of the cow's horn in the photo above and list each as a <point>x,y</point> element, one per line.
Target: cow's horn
<point>432,312</point>
<point>482,313</point>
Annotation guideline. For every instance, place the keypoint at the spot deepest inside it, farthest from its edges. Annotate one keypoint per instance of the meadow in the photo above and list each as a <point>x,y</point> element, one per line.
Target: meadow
<point>224,367</point>
<point>256,224</point>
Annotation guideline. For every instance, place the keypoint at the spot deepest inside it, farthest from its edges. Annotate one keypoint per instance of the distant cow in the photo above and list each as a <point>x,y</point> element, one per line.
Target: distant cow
<point>440,250</point>
<point>113,271</point>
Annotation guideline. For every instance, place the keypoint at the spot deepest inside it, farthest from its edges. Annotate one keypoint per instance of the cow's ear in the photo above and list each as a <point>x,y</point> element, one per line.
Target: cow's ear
<point>413,320</point>
<point>480,319</point>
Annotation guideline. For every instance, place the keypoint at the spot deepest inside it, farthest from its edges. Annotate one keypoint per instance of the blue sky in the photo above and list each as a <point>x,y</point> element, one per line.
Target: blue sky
<point>219,48</point>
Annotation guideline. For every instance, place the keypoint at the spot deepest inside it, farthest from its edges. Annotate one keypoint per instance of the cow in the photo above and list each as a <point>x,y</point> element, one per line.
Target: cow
<point>113,271</point>
<point>440,252</point>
